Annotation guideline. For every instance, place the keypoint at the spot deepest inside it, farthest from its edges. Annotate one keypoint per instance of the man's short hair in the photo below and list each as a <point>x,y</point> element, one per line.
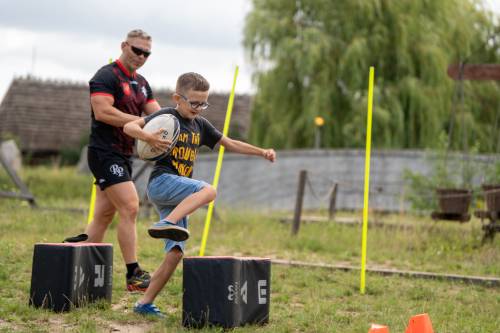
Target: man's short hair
<point>138,33</point>
<point>191,81</point>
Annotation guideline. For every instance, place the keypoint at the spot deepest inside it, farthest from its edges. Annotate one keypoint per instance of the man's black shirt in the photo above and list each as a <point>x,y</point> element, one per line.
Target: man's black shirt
<point>131,92</point>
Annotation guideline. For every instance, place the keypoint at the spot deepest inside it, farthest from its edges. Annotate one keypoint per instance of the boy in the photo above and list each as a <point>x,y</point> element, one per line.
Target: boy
<point>171,189</point>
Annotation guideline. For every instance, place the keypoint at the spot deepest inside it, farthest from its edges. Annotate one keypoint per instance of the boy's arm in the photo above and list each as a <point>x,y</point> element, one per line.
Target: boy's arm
<point>241,147</point>
<point>134,129</point>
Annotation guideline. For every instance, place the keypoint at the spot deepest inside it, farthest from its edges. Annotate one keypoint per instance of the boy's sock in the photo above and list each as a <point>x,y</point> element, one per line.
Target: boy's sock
<point>130,269</point>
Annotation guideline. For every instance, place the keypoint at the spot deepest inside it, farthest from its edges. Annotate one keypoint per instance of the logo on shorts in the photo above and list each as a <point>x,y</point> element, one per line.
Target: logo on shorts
<point>116,170</point>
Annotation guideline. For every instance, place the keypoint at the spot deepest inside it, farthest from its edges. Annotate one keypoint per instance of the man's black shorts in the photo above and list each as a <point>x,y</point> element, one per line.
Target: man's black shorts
<point>109,168</point>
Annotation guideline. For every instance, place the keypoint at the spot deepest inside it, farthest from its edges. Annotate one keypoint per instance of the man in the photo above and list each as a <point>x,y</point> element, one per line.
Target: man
<point>119,95</point>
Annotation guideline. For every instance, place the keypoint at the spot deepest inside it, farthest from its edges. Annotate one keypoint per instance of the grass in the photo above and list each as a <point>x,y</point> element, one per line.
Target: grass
<point>302,299</point>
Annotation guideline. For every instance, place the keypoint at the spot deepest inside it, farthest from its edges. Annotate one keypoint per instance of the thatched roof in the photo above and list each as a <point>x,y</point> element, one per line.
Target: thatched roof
<point>46,116</point>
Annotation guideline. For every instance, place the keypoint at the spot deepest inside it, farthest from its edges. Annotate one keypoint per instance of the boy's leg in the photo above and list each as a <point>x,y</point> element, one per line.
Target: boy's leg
<point>185,194</point>
<point>192,203</point>
<point>174,253</point>
<point>162,275</point>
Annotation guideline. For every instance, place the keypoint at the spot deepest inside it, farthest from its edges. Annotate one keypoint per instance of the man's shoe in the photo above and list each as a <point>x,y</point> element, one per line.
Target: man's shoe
<point>76,239</point>
<point>139,281</point>
<point>169,230</point>
<point>148,310</point>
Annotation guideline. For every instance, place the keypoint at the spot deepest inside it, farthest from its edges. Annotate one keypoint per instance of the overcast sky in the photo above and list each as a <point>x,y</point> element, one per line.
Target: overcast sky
<point>70,39</point>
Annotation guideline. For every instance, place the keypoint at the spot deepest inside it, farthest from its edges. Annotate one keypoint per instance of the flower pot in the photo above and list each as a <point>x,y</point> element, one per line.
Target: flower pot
<point>492,197</point>
<point>454,201</point>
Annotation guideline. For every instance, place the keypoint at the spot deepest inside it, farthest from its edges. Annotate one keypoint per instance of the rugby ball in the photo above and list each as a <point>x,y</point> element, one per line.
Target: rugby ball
<point>170,125</point>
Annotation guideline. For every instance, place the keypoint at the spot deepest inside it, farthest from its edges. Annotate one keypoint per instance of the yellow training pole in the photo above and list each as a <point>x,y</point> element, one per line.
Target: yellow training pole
<point>367,179</point>
<point>219,165</point>
<point>92,204</point>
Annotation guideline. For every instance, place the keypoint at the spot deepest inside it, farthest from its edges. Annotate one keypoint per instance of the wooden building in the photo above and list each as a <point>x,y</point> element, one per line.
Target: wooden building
<point>46,116</point>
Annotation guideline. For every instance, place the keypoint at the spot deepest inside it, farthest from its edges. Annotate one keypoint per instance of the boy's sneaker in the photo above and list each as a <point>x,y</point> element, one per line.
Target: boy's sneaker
<point>148,310</point>
<point>139,281</point>
<point>169,230</point>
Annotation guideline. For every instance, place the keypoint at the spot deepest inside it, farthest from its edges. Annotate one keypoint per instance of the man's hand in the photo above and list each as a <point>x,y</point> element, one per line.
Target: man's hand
<point>156,140</point>
<point>269,154</point>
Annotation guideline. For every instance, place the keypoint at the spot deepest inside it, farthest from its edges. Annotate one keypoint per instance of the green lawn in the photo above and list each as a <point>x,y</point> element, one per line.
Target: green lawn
<point>302,299</point>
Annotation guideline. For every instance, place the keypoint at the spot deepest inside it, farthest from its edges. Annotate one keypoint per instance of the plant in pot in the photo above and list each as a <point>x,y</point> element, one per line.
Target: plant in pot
<point>449,179</point>
<point>491,187</point>
<point>453,185</point>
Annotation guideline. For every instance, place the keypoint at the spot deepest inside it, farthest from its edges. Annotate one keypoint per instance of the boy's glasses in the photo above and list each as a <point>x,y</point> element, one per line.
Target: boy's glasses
<point>139,51</point>
<point>195,105</point>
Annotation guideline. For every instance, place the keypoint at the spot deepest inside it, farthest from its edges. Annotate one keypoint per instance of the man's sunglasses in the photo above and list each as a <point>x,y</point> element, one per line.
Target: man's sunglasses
<point>195,105</point>
<point>139,51</point>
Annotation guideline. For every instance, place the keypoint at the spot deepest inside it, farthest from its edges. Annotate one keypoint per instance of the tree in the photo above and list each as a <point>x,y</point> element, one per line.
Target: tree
<point>311,58</point>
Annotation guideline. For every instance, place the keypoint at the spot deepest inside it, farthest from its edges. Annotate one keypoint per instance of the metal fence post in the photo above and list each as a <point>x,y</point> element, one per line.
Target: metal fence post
<point>299,201</point>
<point>333,202</point>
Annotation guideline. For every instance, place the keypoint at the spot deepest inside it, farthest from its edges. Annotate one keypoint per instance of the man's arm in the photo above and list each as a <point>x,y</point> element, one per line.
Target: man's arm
<point>241,147</point>
<point>151,107</point>
<point>102,105</point>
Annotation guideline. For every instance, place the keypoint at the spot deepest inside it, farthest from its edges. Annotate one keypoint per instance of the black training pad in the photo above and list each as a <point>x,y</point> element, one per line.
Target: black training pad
<point>226,291</point>
<point>67,275</point>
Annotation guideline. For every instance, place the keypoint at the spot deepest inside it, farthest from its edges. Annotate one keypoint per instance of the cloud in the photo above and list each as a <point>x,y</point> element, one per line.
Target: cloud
<point>71,40</point>
<point>215,24</point>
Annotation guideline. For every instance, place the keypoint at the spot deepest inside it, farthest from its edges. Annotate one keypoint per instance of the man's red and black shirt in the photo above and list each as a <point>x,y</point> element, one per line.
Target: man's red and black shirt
<point>131,92</point>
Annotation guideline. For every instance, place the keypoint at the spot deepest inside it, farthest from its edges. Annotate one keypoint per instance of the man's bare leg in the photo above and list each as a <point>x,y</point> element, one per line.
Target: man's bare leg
<point>126,201</point>
<point>104,211</point>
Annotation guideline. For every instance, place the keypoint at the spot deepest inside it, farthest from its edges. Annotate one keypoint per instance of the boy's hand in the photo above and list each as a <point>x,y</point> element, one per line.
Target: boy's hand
<point>269,154</point>
<point>156,141</point>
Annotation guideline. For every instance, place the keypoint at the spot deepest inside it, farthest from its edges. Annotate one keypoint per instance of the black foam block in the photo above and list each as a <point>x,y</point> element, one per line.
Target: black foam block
<point>226,291</point>
<point>67,275</point>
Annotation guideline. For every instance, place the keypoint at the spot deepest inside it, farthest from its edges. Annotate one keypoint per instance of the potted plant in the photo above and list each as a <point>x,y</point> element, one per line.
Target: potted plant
<point>454,201</point>
<point>453,197</point>
<point>455,182</point>
<point>491,187</point>
<point>450,180</point>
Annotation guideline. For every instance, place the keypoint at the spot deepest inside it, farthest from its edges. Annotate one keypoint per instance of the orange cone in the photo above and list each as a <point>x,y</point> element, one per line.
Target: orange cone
<point>376,328</point>
<point>420,324</point>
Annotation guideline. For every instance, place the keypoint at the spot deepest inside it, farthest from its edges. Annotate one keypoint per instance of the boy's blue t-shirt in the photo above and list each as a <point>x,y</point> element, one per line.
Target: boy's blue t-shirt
<point>193,134</point>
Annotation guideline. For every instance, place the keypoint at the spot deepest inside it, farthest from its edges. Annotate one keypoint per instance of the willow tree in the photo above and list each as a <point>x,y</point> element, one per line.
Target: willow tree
<point>311,58</point>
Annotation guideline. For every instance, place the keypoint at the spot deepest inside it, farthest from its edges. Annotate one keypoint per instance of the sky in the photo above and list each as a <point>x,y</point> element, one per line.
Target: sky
<point>70,40</point>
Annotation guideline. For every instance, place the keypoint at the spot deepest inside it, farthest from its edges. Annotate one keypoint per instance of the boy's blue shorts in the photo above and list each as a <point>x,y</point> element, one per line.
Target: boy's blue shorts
<point>166,191</point>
